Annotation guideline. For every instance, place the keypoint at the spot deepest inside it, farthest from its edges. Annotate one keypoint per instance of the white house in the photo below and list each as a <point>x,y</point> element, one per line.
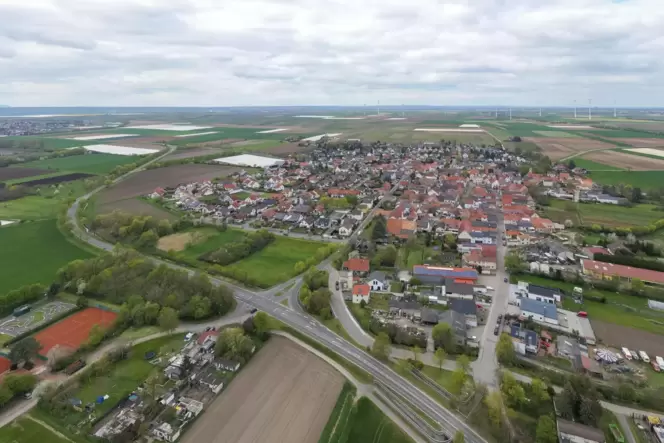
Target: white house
<point>378,281</point>
<point>346,228</point>
<point>538,293</point>
<point>361,292</point>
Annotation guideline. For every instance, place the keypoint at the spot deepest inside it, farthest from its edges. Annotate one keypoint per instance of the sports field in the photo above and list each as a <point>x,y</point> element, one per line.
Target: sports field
<point>73,331</point>
<point>86,163</point>
<point>32,253</point>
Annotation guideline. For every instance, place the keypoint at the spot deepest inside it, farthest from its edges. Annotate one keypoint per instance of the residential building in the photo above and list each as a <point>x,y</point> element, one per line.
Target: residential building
<point>358,266</point>
<point>539,311</point>
<point>377,280</point>
<point>539,293</point>
<point>361,293</point>
<point>467,308</point>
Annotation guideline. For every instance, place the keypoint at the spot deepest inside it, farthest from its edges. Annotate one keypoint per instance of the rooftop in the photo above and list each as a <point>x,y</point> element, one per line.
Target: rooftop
<point>610,269</point>
<point>539,307</point>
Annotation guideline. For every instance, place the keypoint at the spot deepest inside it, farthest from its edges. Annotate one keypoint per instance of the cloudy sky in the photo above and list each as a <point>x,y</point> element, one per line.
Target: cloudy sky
<point>345,52</point>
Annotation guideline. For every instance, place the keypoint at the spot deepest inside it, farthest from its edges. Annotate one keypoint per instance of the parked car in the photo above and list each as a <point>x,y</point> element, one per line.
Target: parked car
<point>583,314</point>
<point>505,279</point>
<point>495,330</point>
<point>253,310</point>
<point>336,285</point>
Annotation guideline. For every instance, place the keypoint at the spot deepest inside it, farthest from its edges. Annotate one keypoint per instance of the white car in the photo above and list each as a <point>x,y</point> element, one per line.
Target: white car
<point>489,288</point>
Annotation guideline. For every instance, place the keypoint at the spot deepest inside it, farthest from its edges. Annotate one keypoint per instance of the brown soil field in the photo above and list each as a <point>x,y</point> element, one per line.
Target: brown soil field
<point>640,142</point>
<point>147,181</point>
<point>136,206</point>
<point>619,336</point>
<point>624,160</point>
<point>189,153</point>
<point>176,242</point>
<point>557,148</point>
<point>285,394</point>
<point>7,173</point>
<point>287,148</point>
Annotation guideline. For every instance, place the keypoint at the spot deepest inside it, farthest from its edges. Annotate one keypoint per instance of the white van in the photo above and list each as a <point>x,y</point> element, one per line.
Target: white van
<point>626,353</point>
<point>644,357</point>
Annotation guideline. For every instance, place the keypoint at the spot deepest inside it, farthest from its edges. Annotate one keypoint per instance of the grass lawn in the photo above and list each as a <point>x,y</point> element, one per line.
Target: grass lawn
<point>4,338</point>
<point>591,165</point>
<point>26,430</point>
<point>274,263</point>
<point>87,163</point>
<point>32,253</point>
<point>363,316</point>
<point>210,240</point>
<point>335,325</point>
<point>338,422</point>
<point>638,179</point>
<point>369,424</point>
<point>134,333</point>
<point>442,377</point>
<point>241,195</point>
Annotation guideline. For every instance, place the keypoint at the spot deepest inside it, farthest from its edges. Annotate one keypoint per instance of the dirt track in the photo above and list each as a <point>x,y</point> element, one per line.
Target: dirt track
<point>625,160</point>
<point>284,395</point>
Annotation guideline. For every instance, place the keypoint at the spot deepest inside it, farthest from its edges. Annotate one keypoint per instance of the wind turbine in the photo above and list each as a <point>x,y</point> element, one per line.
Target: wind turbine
<point>590,112</point>
<point>575,109</point>
<point>510,113</point>
<point>615,111</point>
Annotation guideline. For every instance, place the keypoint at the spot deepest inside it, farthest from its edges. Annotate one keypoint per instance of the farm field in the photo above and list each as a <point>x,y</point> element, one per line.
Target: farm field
<point>591,165</point>
<point>9,174</point>
<point>191,153</point>
<point>51,143</point>
<point>638,179</point>
<point>649,152</point>
<point>623,134</point>
<point>610,215</point>
<point>619,335</point>
<point>369,424</point>
<point>274,264</point>
<point>627,160</point>
<point>27,430</point>
<point>144,182</point>
<point>73,331</point>
<point>284,394</point>
<point>136,206</point>
<point>88,163</point>
<point>557,148</point>
<point>39,243</point>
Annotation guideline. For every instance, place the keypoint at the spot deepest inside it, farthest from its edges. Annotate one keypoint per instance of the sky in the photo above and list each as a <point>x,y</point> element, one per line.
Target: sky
<point>331,52</point>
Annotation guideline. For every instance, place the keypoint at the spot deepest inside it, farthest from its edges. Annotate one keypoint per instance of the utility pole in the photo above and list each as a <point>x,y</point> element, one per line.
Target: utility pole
<point>590,112</point>
<point>574,109</point>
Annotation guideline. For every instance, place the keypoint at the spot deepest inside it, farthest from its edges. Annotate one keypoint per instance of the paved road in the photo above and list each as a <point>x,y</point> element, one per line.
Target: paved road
<point>305,324</point>
<point>486,366</point>
<point>627,430</point>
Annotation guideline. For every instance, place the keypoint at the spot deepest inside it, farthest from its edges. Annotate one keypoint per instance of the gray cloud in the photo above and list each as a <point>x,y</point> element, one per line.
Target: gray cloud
<point>252,52</point>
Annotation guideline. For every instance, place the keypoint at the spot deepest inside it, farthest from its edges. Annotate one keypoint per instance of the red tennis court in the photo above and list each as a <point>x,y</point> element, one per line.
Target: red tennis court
<point>5,364</point>
<point>73,331</point>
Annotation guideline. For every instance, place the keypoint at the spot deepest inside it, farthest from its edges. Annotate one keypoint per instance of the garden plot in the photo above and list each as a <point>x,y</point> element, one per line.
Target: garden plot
<point>120,150</point>
<point>648,151</point>
<point>14,326</point>
<point>169,127</point>
<point>100,136</point>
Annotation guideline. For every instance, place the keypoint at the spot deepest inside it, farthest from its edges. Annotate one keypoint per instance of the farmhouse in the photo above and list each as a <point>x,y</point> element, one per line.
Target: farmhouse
<point>601,270</point>
<point>361,293</point>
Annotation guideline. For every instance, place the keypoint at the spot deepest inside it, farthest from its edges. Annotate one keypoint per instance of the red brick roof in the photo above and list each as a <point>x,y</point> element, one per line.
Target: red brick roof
<point>206,334</point>
<point>361,290</point>
<point>357,265</point>
<point>401,228</point>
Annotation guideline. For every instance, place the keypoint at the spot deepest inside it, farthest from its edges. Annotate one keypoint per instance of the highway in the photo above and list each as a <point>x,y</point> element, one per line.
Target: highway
<point>308,325</point>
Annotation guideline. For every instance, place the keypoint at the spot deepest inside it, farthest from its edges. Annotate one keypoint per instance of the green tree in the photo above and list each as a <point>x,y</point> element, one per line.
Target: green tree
<point>168,319</point>
<point>546,430</point>
<point>6,395</point>
<point>539,390</point>
<point>514,264</point>
<point>638,285</point>
<point>381,346</point>
<point>379,230</point>
<point>459,437</point>
<point>164,228</point>
<point>505,350</point>
<point>463,363</point>
<point>494,406</point>
<point>20,383</point>
<point>416,352</point>
<point>261,323</point>
<point>443,337</point>
<point>459,379</point>
<point>151,313</point>
<point>513,391</point>
<point>24,350</point>
<point>95,336</point>
<point>440,355</point>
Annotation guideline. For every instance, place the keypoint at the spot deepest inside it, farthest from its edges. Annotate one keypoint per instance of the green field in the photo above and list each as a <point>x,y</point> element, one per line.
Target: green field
<point>609,215</point>
<point>46,205</point>
<point>51,143</point>
<point>210,239</point>
<point>638,179</point>
<point>17,181</point>
<point>26,430</point>
<point>338,421</point>
<point>32,253</point>
<point>591,165</point>
<point>556,134</point>
<point>87,163</point>
<point>622,133</point>
<point>274,264</point>
<point>241,133</point>
<point>369,424</point>
<point>523,129</point>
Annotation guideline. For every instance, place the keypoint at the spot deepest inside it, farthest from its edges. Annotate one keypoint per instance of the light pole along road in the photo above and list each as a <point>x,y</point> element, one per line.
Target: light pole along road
<point>310,327</point>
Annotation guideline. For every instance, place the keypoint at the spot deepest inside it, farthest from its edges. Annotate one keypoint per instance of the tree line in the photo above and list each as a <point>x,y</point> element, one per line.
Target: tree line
<point>250,243</point>
<point>315,295</point>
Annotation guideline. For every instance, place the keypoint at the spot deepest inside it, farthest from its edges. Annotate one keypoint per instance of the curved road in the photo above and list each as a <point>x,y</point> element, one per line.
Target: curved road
<point>305,324</point>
